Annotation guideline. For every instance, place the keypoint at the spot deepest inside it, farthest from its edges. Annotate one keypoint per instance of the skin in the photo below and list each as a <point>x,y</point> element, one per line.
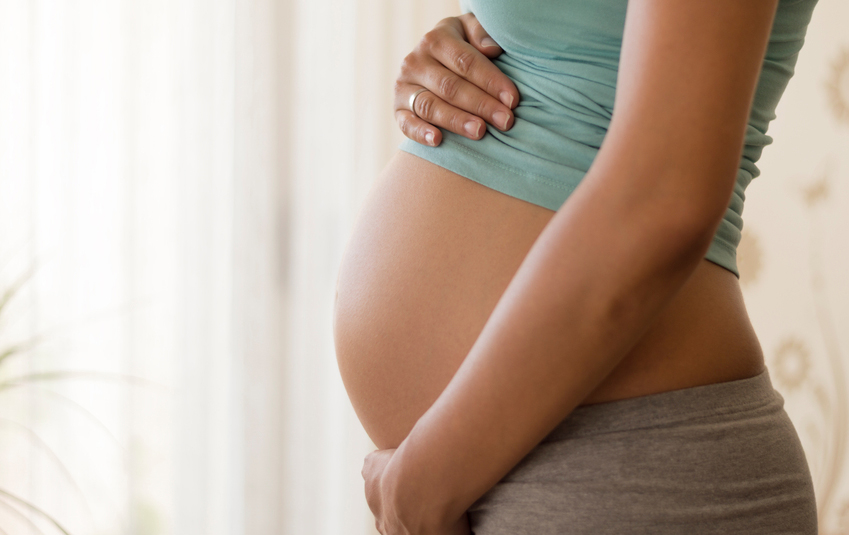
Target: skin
<point>466,318</point>
<point>465,88</point>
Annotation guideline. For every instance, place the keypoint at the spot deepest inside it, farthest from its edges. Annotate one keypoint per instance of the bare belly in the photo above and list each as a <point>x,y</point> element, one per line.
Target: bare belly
<point>430,256</point>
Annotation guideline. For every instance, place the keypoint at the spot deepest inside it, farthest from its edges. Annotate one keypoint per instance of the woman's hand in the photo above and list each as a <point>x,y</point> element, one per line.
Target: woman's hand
<point>386,519</point>
<point>464,87</point>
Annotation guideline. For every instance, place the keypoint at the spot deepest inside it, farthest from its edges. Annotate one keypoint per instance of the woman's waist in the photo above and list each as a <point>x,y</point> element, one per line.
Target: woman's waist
<point>744,397</point>
<point>704,336</point>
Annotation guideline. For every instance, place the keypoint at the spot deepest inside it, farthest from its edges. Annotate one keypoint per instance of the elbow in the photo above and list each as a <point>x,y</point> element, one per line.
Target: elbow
<point>677,201</point>
<point>664,254</point>
<point>699,218</point>
<point>685,206</point>
<point>689,229</point>
<point>668,233</point>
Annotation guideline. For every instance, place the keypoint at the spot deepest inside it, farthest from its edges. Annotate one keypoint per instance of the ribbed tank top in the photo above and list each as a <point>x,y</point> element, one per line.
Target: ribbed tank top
<point>563,56</point>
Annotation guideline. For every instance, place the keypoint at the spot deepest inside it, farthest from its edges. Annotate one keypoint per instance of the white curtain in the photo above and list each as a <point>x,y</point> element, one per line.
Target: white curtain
<point>183,176</point>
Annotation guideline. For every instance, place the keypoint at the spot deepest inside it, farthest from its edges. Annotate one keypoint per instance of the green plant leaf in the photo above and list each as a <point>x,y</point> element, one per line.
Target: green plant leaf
<point>12,290</point>
<point>34,509</point>
<point>19,348</point>
<point>35,438</point>
<point>20,515</point>
<point>87,413</point>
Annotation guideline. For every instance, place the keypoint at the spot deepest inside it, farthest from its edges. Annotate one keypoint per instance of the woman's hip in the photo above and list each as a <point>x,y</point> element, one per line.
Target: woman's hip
<point>720,458</point>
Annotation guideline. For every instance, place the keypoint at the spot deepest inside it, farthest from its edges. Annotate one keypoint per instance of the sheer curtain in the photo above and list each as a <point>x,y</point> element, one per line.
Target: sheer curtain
<point>119,167</point>
<point>180,179</point>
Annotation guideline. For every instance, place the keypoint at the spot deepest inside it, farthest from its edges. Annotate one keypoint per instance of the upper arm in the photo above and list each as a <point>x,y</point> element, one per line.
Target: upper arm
<point>687,76</point>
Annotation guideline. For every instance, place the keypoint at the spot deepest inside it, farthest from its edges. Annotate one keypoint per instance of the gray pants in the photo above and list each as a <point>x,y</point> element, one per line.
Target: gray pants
<point>721,458</point>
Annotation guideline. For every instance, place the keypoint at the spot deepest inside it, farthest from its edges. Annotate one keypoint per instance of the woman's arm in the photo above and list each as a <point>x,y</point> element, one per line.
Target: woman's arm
<point>607,263</point>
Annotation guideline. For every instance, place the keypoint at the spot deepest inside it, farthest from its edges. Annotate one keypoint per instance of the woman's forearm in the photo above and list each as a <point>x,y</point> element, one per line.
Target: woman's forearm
<point>603,268</point>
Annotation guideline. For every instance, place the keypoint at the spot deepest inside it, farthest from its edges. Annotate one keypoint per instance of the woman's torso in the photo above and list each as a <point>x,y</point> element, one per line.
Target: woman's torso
<point>433,250</point>
<point>431,254</point>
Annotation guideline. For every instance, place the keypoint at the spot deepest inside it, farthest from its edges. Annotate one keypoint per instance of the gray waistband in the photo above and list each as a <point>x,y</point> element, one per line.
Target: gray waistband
<point>669,407</point>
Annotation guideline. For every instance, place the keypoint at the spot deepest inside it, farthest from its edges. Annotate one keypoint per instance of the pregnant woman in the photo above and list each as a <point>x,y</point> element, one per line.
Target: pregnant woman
<point>538,318</point>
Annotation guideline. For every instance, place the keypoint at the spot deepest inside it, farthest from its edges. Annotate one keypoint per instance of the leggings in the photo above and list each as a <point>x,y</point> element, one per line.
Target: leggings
<point>720,458</point>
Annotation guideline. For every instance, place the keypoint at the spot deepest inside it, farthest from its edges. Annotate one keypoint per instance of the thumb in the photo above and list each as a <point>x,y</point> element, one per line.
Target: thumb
<point>478,37</point>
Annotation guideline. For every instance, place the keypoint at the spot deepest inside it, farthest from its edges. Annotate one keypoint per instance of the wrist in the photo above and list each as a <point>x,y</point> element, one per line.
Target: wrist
<point>406,489</point>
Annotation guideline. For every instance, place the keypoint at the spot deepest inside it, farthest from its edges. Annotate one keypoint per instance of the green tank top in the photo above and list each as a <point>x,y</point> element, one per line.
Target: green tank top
<point>563,56</point>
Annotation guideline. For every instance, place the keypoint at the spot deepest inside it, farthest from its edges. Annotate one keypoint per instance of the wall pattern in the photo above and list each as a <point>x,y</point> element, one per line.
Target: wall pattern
<point>793,257</point>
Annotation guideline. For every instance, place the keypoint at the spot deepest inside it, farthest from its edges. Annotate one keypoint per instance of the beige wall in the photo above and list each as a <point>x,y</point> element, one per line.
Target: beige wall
<point>794,260</point>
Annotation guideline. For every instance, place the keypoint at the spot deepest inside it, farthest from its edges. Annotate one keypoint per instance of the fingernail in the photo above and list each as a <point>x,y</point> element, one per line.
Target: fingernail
<point>429,138</point>
<point>472,127</point>
<point>488,42</point>
<point>506,98</point>
<point>501,117</point>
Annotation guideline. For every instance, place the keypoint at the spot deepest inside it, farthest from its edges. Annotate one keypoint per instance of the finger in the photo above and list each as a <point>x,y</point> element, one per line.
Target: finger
<point>463,59</point>
<point>459,93</point>
<point>448,44</point>
<point>467,28</point>
<point>417,129</point>
<point>478,37</point>
<point>435,111</point>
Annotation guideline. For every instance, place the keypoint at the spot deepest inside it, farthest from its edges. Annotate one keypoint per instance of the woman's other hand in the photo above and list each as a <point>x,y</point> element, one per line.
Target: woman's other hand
<point>387,520</point>
<point>453,61</point>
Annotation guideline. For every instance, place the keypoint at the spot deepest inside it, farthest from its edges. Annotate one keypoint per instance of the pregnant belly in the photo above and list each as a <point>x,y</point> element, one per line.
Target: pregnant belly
<point>430,256</point>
